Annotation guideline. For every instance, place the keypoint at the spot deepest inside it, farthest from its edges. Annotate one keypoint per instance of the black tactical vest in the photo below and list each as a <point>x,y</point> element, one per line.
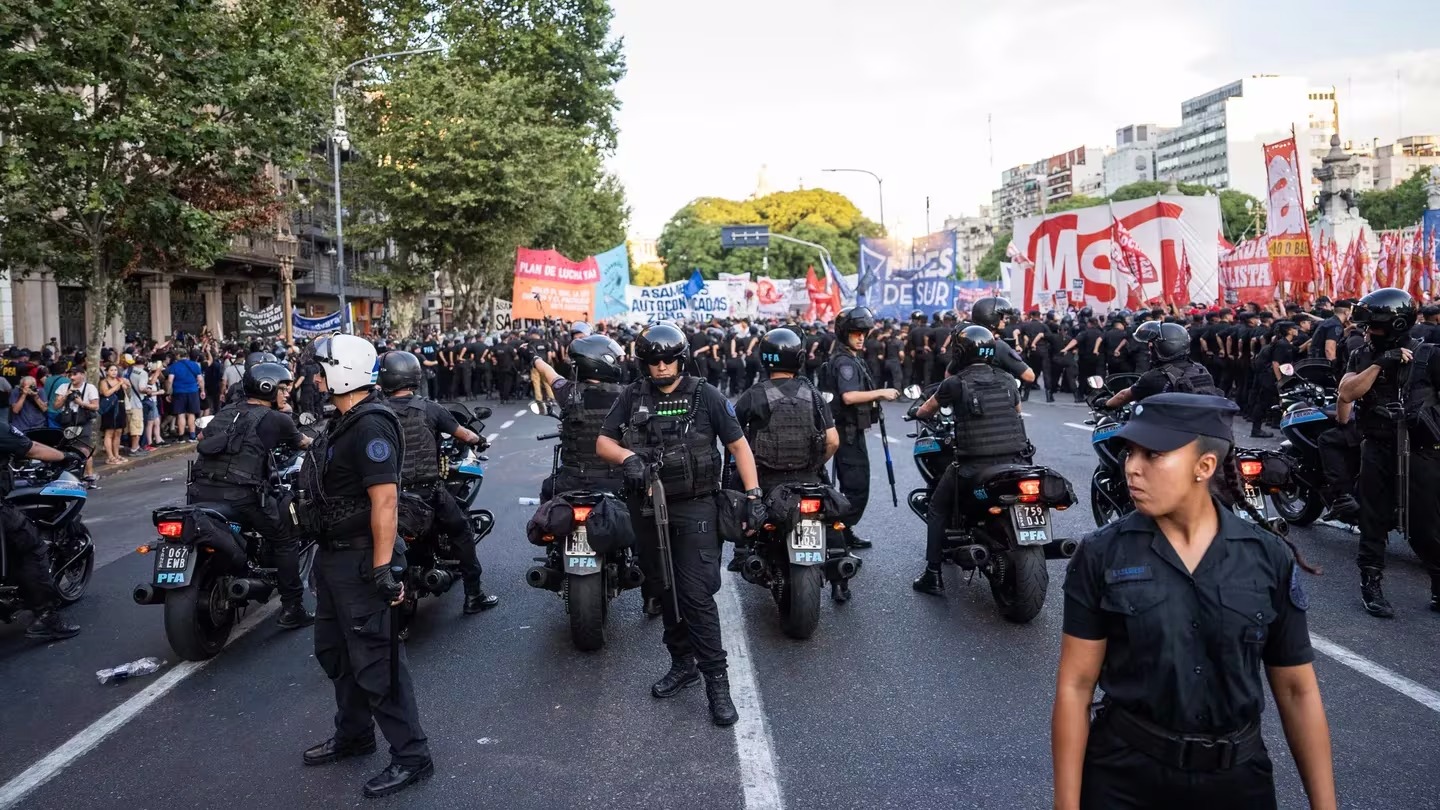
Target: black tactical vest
<point>861,416</point>
<point>791,440</point>
<point>334,516</point>
<point>422,452</point>
<point>231,454</point>
<point>1188,377</point>
<point>986,422</point>
<point>666,428</point>
<point>580,427</point>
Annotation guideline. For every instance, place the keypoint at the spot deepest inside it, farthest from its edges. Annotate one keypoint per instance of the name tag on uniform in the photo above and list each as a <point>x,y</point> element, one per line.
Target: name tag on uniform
<point>1136,573</point>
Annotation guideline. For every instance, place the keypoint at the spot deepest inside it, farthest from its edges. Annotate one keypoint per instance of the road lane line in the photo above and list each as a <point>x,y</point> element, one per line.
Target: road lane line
<point>520,413</point>
<point>506,424</point>
<point>1086,428</point>
<point>1425,696</point>
<point>759,776</point>
<point>491,438</point>
<point>88,738</point>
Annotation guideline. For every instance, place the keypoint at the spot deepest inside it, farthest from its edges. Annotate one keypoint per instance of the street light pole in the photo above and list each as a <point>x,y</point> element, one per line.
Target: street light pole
<point>879,183</point>
<point>286,247</point>
<point>336,138</point>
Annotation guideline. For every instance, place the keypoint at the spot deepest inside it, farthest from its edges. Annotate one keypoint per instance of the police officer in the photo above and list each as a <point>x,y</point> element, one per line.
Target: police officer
<point>854,404</point>
<point>1035,345</point>
<point>988,431</point>
<point>421,423</point>
<point>352,485</point>
<point>26,551</point>
<point>1265,391</point>
<point>791,431</point>
<point>1174,623</point>
<point>584,404</point>
<point>993,314</point>
<point>1385,369</point>
<point>918,354</point>
<point>1171,366</point>
<point>671,420</point>
<point>233,468</point>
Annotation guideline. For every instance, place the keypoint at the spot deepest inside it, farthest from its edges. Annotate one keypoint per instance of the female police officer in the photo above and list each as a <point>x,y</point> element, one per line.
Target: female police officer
<point>1172,609</point>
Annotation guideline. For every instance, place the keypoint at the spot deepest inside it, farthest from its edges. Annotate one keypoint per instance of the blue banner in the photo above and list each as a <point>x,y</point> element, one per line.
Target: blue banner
<point>309,327</point>
<point>614,277</point>
<point>1431,224</point>
<point>906,278</point>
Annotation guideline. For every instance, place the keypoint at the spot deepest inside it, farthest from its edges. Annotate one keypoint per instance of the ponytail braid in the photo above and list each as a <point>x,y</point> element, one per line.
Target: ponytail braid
<point>1231,495</point>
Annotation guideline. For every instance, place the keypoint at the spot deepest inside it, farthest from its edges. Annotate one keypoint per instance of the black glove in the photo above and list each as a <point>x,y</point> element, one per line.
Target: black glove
<point>1390,361</point>
<point>385,584</point>
<point>72,460</point>
<point>755,514</point>
<point>636,473</point>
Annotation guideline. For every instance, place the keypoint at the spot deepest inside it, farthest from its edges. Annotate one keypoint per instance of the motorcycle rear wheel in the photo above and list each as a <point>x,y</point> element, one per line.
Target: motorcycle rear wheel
<point>1019,583</point>
<point>585,599</point>
<point>199,617</point>
<point>1298,505</point>
<point>800,602</point>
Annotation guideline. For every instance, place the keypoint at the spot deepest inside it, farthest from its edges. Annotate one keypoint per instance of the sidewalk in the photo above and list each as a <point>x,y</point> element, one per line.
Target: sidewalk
<point>170,450</point>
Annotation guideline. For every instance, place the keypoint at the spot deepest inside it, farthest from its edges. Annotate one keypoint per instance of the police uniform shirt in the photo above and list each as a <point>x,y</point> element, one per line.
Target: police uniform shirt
<point>1112,340</point>
<point>1184,650</point>
<point>714,414</point>
<point>892,347</point>
<point>872,349</point>
<point>1376,425</point>
<point>504,354</point>
<point>698,341</point>
<point>1033,330</point>
<point>1329,329</point>
<point>1282,352</point>
<point>1085,340</point>
<point>429,352</point>
<point>14,443</point>
<point>366,455</point>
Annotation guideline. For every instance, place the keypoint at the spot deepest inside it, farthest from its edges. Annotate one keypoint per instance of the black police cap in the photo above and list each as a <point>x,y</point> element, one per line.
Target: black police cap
<point>1166,422</point>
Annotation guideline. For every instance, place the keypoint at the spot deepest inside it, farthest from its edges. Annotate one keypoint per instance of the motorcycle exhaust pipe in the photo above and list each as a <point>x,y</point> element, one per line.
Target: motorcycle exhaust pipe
<point>973,556</point>
<point>438,581</point>
<point>844,567</point>
<point>249,590</point>
<point>148,595</point>
<point>1061,549</point>
<point>631,577</point>
<point>754,569</point>
<point>546,579</point>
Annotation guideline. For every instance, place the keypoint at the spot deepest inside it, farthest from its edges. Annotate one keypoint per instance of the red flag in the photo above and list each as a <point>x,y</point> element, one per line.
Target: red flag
<point>1416,265</point>
<point>811,285</point>
<point>824,297</point>
<point>1181,293</point>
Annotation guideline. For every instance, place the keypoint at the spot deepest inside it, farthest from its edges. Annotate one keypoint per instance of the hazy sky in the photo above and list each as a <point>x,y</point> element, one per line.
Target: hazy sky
<point>715,90</point>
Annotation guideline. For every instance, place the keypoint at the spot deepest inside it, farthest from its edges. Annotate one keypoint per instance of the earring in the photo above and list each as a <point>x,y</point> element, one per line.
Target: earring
<point>1199,478</point>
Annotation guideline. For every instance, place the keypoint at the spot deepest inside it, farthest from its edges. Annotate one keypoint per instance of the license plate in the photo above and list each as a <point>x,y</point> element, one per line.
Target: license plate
<point>172,564</point>
<point>579,557</point>
<point>924,446</point>
<point>1032,524</point>
<point>1256,499</point>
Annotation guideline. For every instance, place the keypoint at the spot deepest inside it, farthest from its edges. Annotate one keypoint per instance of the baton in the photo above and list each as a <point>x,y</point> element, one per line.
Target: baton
<point>889,465</point>
<point>662,534</point>
<point>394,650</point>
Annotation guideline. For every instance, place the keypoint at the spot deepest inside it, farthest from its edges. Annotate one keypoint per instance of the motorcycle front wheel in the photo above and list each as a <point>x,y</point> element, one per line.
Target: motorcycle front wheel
<point>1101,507</point>
<point>73,578</point>
<point>199,617</point>
<point>1018,581</point>
<point>800,603</point>
<point>585,600</point>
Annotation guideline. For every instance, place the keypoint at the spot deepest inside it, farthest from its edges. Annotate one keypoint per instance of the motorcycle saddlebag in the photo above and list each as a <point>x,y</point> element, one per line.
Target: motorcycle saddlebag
<point>609,527</point>
<point>202,530</point>
<point>554,518</point>
<point>415,516</point>
<point>1055,490</point>
<point>1275,471</point>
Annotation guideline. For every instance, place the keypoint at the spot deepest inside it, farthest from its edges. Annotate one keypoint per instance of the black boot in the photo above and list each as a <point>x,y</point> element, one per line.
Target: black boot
<point>477,600</point>
<point>840,590</point>
<point>682,674</point>
<point>1258,432</point>
<point>1049,396</point>
<point>1344,509</point>
<point>333,750</point>
<point>1025,393</point>
<point>1372,595</point>
<point>294,617</point>
<point>854,541</point>
<point>738,560</point>
<point>931,582</point>
<point>722,708</point>
<point>397,777</point>
<point>49,625</point>
<point>653,607</point>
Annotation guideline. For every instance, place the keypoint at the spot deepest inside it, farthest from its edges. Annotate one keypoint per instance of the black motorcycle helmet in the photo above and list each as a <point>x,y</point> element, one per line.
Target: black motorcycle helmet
<point>399,370</point>
<point>256,358</point>
<point>973,345</point>
<point>1388,313</point>
<point>662,342</point>
<point>856,319</point>
<point>917,315</point>
<point>989,312</point>
<point>263,381</point>
<point>782,350</point>
<point>1169,342</point>
<point>596,357</point>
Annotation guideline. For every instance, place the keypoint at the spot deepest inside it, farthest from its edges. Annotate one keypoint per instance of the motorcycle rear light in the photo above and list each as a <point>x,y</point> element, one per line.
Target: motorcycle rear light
<point>1250,468</point>
<point>809,506</point>
<point>170,528</point>
<point>581,513</point>
<point>1030,490</point>
<point>142,549</point>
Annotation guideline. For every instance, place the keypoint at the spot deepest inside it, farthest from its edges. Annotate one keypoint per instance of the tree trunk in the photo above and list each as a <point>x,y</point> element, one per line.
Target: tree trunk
<point>403,313</point>
<point>98,298</point>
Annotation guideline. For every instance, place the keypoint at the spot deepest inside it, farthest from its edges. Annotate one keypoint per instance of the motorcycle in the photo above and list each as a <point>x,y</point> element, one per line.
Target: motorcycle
<point>1307,402</point>
<point>51,497</point>
<point>1004,530</point>
<point>585,579</point>
<point>209,567</point>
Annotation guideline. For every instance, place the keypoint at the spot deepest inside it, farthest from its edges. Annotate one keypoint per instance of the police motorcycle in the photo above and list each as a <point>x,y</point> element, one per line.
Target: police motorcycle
<point>51,497</point>
<point>1307,400</point>
<point>585,579</point>
<point>209,568</point>
<point>1003,529</point>
<point>1261,471</point>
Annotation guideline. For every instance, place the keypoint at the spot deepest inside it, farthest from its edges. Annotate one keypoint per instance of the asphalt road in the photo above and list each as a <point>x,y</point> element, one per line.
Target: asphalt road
<point>899,700</point>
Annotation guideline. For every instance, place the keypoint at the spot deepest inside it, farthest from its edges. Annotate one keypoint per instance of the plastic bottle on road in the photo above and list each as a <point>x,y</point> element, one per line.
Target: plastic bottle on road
<point>529,501</point>
<point>145,666</point>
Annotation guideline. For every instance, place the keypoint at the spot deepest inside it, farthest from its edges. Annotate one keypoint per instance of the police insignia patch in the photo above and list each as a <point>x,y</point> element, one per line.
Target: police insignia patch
<point>729,407</point>
<point>847,371</point>
<point>1298,597</point>
<point>377,450</point>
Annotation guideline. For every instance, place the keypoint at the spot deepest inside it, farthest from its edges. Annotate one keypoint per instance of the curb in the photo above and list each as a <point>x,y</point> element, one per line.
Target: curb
<point>154,457</point>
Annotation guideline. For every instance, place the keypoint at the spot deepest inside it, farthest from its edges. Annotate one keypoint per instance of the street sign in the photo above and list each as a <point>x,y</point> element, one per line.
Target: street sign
<point>737,236</point>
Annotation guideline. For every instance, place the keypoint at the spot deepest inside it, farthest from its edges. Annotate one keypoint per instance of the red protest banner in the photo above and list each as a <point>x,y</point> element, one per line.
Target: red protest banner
<point>548,285</point>
<point>1290,254</point>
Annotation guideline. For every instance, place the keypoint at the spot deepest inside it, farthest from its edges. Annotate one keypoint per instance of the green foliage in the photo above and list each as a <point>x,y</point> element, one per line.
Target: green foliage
<point>1236,223</point>
<point>1073,202</point>
<point>1399,207</point>
<point>1151,188</point>
<point>692,236</point>
<point>138,132</point>
<point>989,266</point>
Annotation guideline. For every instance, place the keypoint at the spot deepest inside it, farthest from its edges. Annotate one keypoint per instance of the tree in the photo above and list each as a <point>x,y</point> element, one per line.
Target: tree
<point>1074,202</point>
<point>1236,222</point>
<point>989,266</point>
<point>139,132</point>
<point>1399,207</point>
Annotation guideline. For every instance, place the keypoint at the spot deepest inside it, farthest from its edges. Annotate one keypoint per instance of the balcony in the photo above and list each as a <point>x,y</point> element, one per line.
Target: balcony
<point>321,282</point>
<point>253,249</point>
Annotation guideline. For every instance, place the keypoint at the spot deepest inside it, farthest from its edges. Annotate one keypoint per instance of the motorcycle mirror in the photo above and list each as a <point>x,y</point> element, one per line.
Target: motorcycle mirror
<point>1287,369</point>
<point>536,408</point>
<point>911,392</point>
<point>73,431</point>
<point>1095,381</point>
<point>482,413</point>
<point>829,397</point>
<point>307,419</point>
<point>946,410</point>
<point>202,422</point>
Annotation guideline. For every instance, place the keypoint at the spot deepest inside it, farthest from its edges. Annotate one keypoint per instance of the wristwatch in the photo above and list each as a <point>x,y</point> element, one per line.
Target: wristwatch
<point>753,493</point>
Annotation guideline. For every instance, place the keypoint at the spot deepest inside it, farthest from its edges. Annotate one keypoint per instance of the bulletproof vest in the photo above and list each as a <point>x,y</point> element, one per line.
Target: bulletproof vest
<point>232,454</point>
<point>1422,404</point>
<point>986,422</point>
<point>422,458</point>
<point>580,427</point>
<point>1189,378</point>
<point>791,440</point>
<point>665,427</point>
<point>336,516</point>
<point>861,416</point>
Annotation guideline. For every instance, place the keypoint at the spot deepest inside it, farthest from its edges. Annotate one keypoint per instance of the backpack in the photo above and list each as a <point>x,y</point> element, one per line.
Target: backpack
<point>791,440</point>
<point>1197,381</point>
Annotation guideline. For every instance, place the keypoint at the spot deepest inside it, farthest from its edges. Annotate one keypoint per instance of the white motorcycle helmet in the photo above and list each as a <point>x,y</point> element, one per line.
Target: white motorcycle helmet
<point>347,361</point>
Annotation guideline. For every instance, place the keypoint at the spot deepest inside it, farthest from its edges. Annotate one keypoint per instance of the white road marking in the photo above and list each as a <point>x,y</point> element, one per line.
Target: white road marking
<point>759,776</point>
<point>506,424</point>
<point>1086,428</point>
<point>491,438</point>
<point>1425,696</point>
<point>83,742</point>
<point>520,412</point>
